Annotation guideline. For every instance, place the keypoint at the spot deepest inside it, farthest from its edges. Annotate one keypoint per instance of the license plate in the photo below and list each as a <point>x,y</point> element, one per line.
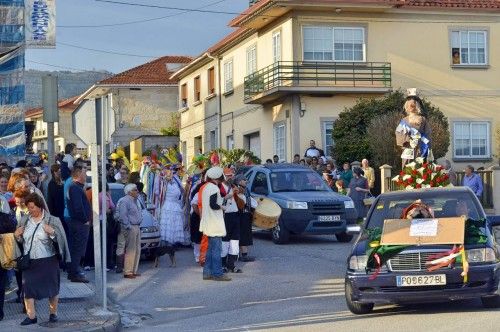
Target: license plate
<point>429,280</point>
<point>328,218</point>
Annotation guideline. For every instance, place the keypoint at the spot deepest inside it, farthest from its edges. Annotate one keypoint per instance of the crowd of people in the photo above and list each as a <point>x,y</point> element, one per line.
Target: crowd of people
<point>46,210</point>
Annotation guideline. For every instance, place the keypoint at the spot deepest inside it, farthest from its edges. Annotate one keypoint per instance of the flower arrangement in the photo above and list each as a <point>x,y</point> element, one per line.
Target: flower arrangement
<point>421,174</point>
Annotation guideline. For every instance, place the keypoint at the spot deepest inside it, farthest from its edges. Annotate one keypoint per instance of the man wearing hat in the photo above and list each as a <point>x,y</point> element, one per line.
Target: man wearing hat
<point>212,224</point>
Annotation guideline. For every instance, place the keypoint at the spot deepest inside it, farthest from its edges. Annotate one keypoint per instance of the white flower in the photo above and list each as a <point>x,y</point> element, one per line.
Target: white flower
<point>396,178</point>
<point>421,170</point>
<point>406,177</point>
<point>433,175</point>
<point>426,186</point>
<point>411,165</point>
<point>419,160</point>
<point>420,181</point>
<point>409,188</point>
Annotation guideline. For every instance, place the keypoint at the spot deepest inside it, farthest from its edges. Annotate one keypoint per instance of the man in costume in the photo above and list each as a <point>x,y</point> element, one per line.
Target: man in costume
<point>413,133</point>
<point>212,224</point>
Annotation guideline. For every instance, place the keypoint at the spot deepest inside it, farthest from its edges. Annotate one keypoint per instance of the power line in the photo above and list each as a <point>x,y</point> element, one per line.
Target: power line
<point>139,21</point>
<point>108,52</point>
<point>198,10</point>
<point>64,67</point>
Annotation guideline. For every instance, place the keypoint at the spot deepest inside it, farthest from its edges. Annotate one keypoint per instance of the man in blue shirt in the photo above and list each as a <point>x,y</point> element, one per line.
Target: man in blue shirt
<point>473,181</point>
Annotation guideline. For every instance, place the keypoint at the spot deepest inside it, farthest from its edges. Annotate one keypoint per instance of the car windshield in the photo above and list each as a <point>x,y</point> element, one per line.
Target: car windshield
<point>287,181</point>
<point>116,194</point>
<point>444,205</point>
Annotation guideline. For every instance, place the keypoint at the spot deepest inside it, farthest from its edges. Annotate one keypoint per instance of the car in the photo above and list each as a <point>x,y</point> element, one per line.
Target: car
<point>150,228</point>
<point>363,291</point>
<point>308,205</point>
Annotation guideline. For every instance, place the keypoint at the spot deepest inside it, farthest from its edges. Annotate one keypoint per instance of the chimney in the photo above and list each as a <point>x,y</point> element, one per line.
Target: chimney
<point>252,2</point>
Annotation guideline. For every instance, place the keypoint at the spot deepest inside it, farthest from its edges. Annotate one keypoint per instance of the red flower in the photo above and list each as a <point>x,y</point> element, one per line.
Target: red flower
<point>424,165</point>
<point>446,176</point>
<point>410,180</point>
<point>439,168</point>
<point>414,172</point>
<point>418,186</point>
<point>432,184</point>
<point>425,177</point>
<point>429,171</point>
<point>401,173</point>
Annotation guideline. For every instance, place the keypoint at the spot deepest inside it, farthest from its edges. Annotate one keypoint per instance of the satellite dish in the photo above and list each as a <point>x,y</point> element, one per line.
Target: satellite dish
<point>136,120</point>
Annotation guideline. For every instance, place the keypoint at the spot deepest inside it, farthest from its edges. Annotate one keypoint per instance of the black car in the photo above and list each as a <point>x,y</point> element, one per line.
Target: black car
<point>308,205</point>
<point>405,277</point>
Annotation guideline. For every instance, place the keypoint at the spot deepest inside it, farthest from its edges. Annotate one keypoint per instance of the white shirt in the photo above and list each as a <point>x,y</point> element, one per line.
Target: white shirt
<point>4,205</point>
<point>212,221</point>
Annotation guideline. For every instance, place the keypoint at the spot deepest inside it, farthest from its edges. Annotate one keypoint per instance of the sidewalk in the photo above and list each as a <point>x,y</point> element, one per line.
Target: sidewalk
<point>76,312</point>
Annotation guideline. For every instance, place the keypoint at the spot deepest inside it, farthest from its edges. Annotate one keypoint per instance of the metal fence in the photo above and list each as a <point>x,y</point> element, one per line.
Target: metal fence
<point>318,74</point>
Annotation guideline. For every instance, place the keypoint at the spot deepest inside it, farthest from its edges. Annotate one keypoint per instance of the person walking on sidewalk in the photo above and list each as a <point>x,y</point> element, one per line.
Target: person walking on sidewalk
<point>7,225</point>
<point>212,225</point>
<point>128,249</point>
<point>80,215</point>
<point>40,232</point>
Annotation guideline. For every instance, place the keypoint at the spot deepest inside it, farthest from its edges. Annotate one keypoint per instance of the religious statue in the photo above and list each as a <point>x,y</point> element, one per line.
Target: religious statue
<point>413,133</point>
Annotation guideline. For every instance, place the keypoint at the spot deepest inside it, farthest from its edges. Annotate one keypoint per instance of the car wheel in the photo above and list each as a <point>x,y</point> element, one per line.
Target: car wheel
<point>491,301</point>
<point>280,234</point>
<point>344,237</point>
<point>356,307</point>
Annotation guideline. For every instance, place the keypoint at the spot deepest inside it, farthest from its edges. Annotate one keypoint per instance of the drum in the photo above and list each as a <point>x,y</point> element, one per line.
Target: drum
<point>266,214</point>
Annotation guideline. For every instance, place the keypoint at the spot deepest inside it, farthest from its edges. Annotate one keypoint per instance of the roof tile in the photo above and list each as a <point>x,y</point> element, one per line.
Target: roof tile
<point>153,72</point>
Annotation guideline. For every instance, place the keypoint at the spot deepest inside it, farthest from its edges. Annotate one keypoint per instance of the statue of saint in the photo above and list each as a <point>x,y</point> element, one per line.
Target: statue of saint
<point>413,133</point>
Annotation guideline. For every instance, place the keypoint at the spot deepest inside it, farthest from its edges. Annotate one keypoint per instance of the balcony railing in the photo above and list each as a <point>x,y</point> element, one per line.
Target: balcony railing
<point>318,75</point>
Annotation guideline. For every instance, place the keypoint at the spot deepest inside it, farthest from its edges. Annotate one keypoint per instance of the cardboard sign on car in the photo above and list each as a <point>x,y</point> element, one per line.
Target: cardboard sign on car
<point>423,231</point>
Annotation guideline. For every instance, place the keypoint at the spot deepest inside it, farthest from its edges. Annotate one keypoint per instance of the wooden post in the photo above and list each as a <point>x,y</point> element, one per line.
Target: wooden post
<point>385,178</point>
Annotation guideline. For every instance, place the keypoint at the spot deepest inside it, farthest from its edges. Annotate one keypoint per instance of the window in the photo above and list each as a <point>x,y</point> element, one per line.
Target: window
<point>184,99</point>
<point>277,46</point>
<point>230,142</point>
<point>327,128</point>
<point>279,140</point>
<point>211,81</point>
<point>259,185</point>
<point>197,92</point>
<point>213,139</point>
<point>334,44</point>
<point>468,47</point>
<point>198,145</point>
<point>252,60</point>
<point>471,139</point>
<point>228,76</point>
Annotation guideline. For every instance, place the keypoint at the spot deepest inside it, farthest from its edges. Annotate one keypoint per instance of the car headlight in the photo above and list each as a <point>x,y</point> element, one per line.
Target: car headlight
<point>358,263</point>
<point>349,204</point>
<point>296,205</point>
<point>481,255</point>
<point>151,229</point>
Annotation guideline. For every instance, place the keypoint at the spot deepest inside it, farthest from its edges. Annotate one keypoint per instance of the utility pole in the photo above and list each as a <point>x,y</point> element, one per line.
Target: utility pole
<point>50,111</point>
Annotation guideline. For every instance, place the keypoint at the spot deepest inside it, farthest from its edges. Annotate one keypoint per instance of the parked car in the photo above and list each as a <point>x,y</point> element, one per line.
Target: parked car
<point>308,205</point>
<point>446,284</point>
<point>150,228</point>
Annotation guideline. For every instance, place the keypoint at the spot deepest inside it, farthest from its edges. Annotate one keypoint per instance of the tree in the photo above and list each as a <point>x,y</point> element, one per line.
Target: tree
<point>174,127</point>
<point>366,130</point>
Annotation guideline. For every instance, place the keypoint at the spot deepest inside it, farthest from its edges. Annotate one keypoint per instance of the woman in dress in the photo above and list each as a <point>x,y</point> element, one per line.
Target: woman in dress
<point>40,232</point>
<point>358,188</point>
<point>172,212</point>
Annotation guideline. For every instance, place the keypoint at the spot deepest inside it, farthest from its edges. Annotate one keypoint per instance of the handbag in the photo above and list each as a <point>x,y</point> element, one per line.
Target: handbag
<point>369,199</point>
<point>24,261</point>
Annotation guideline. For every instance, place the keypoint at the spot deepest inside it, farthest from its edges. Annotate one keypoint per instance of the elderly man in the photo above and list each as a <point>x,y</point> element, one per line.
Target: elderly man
<point>212,224</point>
<point>128,249</point>
<point>369,173</point>
<point>473,181</point>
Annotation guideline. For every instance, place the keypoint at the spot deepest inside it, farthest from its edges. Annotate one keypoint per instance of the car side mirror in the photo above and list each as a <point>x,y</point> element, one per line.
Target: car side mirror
<point>261,191</point>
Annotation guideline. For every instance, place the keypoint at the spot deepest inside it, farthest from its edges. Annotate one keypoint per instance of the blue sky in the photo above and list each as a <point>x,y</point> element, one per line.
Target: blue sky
<point>186,34</point>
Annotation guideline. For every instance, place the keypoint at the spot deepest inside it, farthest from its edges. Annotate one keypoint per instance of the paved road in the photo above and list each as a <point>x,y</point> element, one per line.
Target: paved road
<point>294,287</point>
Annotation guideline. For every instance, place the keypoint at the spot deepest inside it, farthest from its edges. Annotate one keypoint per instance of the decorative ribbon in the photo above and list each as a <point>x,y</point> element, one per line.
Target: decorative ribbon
<point>424,142</point>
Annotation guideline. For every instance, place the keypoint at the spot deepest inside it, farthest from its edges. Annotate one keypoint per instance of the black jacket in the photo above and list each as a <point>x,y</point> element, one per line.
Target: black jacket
<point>7,223</point>
<point>78,205</point>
